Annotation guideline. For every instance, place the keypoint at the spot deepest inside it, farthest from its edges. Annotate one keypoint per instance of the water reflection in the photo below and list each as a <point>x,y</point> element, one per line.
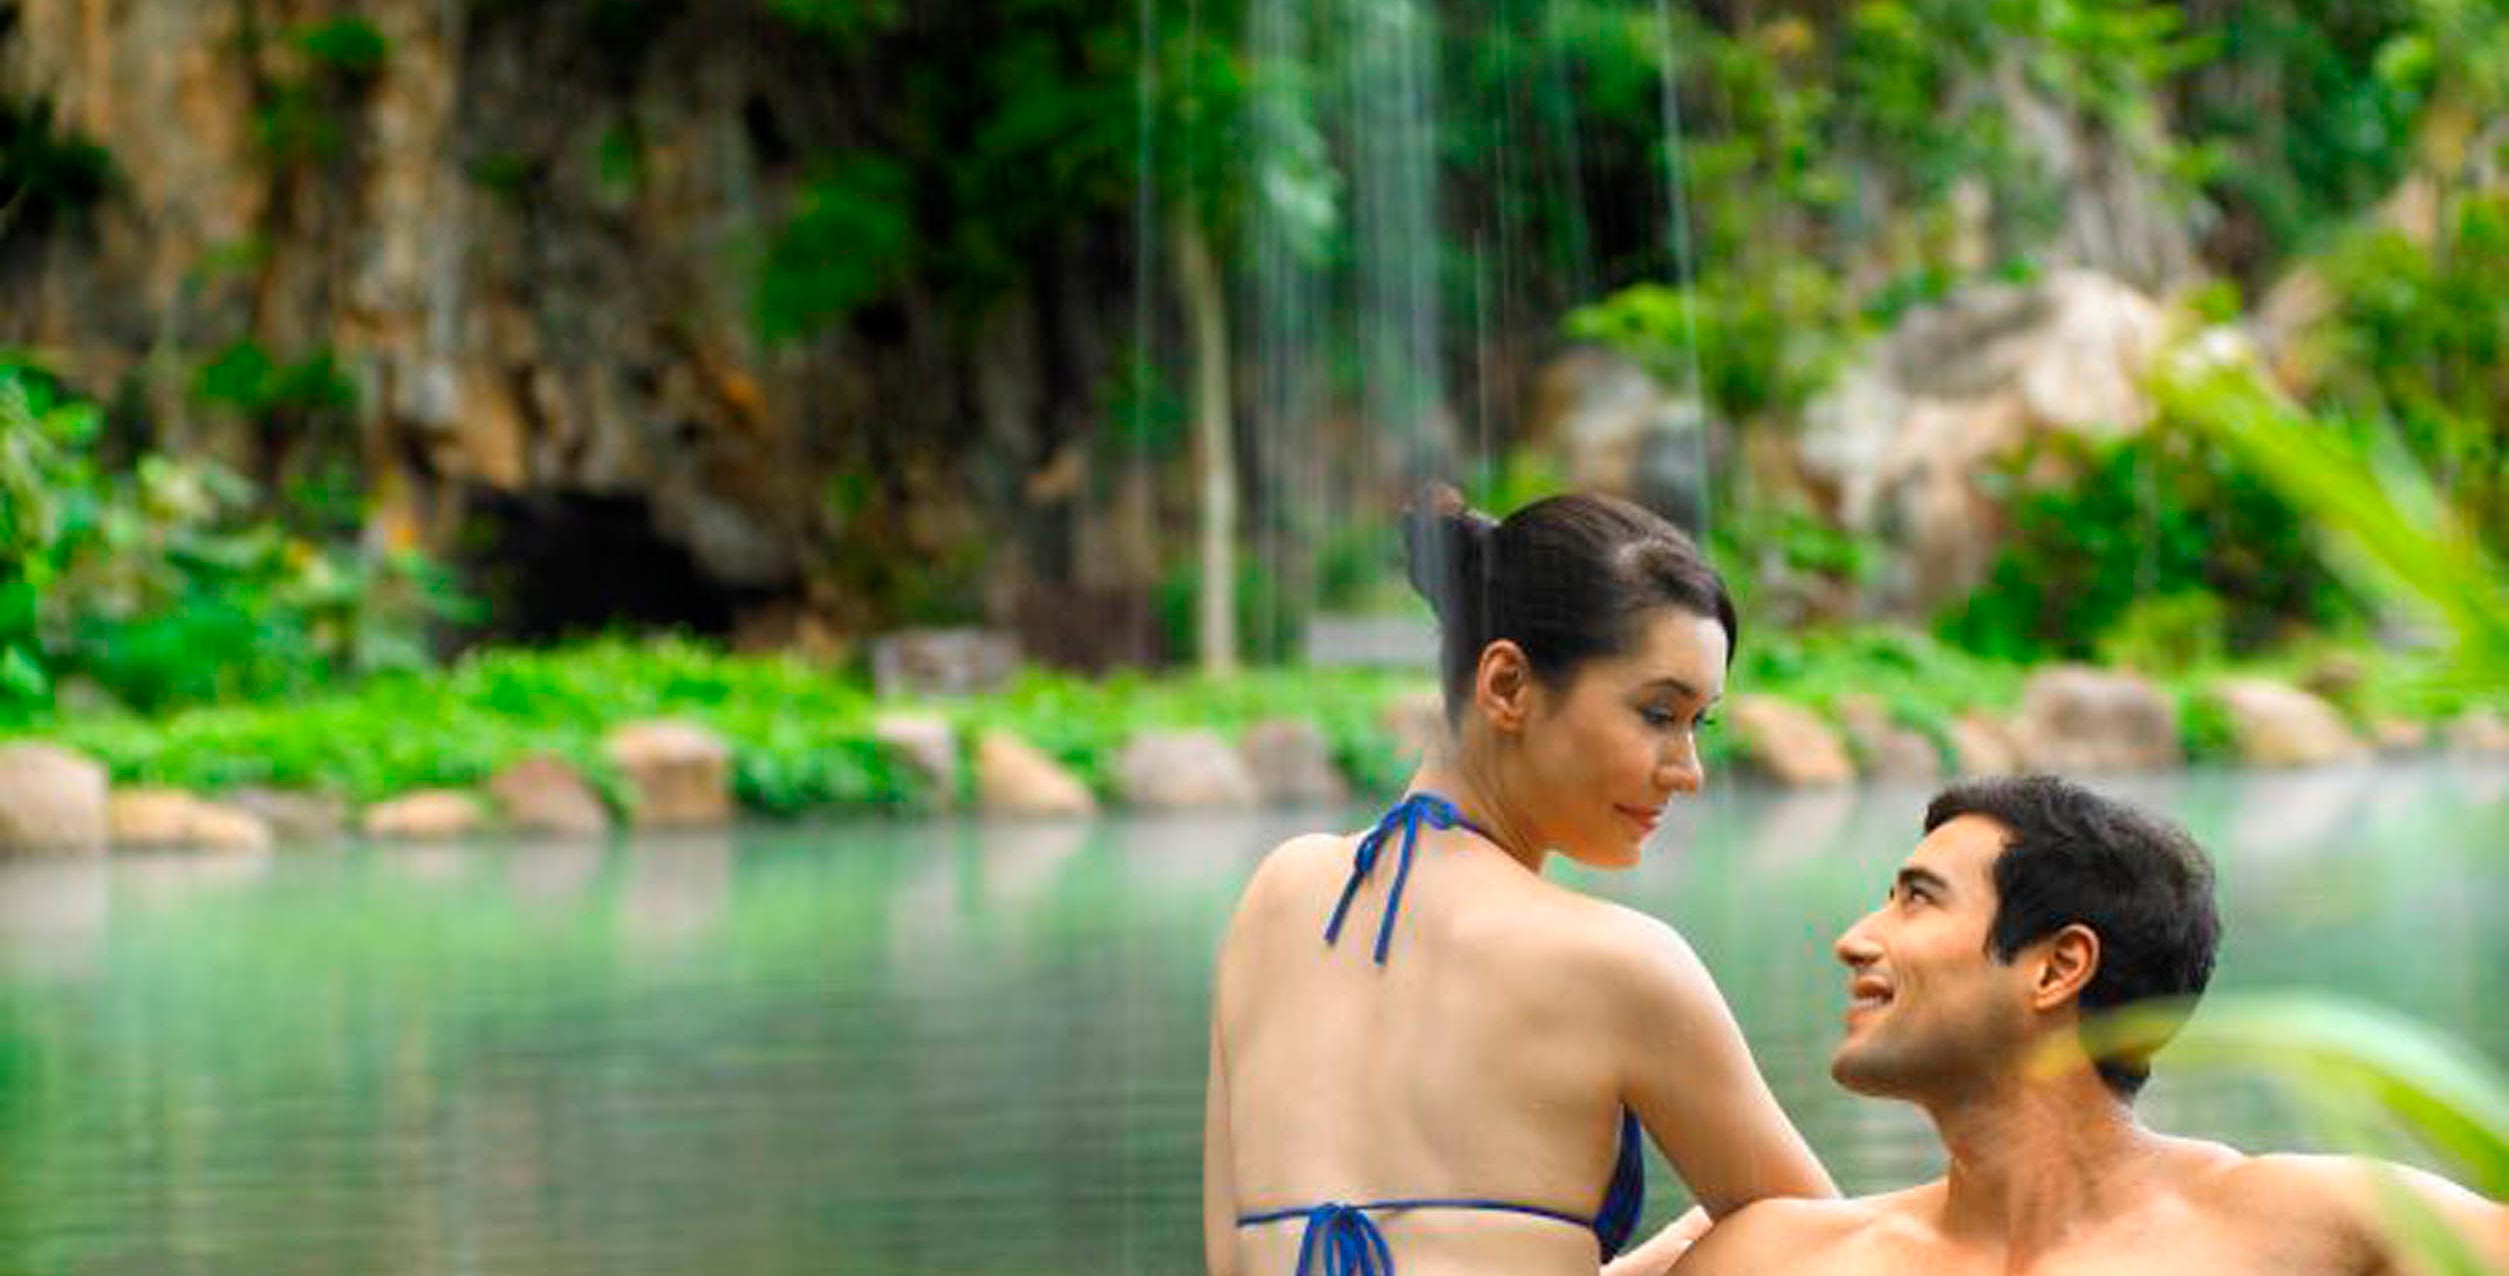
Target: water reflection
<point>839,1044</point>
<point>675,889</point>
<point>52,916</point>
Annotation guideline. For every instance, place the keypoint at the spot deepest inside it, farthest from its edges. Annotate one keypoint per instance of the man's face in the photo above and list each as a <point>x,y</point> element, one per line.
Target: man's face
<point>1928,1008</point>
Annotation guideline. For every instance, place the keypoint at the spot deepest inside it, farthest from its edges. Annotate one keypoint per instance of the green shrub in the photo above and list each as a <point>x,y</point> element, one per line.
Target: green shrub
<point>348,47</point>
<point>2166,635</point>
<point>162,583</point>
<point>2420,341</point>
<point>844,245</point>
<point>2204,726</point>
<point>1755,346</point>
<point>2164,513</point>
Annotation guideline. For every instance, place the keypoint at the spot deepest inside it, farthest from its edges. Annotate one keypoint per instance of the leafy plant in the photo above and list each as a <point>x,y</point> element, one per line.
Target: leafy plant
<point>162,582</point>
<point>2389,530</point>
<point>2165,513</point>
<point>846,242</point>
<point>2359,1072</point>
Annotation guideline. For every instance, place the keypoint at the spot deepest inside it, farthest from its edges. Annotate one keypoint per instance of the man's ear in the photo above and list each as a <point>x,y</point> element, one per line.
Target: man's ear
<point>1502,685</point>
<point>2067,961</point>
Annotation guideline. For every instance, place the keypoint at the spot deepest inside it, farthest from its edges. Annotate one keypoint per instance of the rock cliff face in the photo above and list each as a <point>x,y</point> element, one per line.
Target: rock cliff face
<point>526,234</point>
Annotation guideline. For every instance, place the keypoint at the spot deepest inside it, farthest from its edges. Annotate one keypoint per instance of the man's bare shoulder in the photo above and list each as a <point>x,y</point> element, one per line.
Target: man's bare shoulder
<point>1791,1234</point>
<point>2349,1202</point>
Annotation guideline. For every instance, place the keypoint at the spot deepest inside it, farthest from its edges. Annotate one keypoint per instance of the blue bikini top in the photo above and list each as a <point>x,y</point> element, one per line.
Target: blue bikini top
<point>1341,1239</point>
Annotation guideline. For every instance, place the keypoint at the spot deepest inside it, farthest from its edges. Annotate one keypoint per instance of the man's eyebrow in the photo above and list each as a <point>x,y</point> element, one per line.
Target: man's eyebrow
<point>1924,877</point>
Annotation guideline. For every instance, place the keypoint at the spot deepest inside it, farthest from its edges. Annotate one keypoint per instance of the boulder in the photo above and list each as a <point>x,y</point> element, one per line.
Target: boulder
<point>2479,731</point>
<point>292,816</point>
<point>1611,426</point>
<point>2399,735</point>
<point>544,793</point>
<point>426,816</point>
<point>1982,746</point>
<point>52,801</point>
<point>1014,778</point>
<point>679,773</point>
<point>2077,720</point>
<point>1888,750</point>
<point>2278,725</point>
<point>1904,435</point>
<point>927,744</point>
<point>219,827</point>
<point>171,818</point>
<point>1788,743</point>
<point>1292,764</point>
<point>1183,770</point>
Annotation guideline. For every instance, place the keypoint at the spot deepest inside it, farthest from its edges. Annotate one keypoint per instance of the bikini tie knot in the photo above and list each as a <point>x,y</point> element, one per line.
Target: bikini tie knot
<point>1407,817</point>
<point>1341,1240</point>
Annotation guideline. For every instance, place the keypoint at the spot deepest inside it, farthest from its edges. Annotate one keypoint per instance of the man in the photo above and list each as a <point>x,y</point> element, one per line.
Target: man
<point>2031,904</point>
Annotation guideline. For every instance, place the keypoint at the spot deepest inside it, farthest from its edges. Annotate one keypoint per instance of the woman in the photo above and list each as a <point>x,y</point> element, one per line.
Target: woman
<point>1422,1048</point>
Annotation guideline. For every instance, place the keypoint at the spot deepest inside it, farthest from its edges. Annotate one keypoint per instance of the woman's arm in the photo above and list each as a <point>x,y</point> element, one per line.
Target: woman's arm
<point>1694,1086</point>
<point>1219,1193</point>
<point>1218,1181</point>
<point>1657,1254</point>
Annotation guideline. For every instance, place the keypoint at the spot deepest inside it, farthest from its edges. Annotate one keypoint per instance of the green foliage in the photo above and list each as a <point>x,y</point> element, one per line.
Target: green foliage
<point>298,117</point>
<point>2205,728</point>
<point>840,22</point>
<point>2421,341</point>
<point>1269,619</point>
<point>2339,133</point>
<point>2167,634</point>
<point>2389,530</point>
<point>1085,723</point>
<point>47,175</point>
<point>47,477</point>
<point>1755,347</point>
<point>297,126</point>
<point>160,582</point>
<point>847,242</point>
<point>1513,480</point>
<point>1922,683</point>
<point>244,378</point>
<point>346,47</point>
<point>2366,1076</point>
<point>2162,513</point>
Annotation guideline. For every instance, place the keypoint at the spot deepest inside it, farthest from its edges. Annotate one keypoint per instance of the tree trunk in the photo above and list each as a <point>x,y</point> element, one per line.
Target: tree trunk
<point>1206,311</point>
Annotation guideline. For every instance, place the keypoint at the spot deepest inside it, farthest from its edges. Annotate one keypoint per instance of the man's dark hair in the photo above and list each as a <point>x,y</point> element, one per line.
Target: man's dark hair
<point>1565,578</point>
<point>2139,882</point>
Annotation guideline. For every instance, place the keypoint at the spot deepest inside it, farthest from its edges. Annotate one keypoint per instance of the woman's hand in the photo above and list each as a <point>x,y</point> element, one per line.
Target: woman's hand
<point>1662,1250</point>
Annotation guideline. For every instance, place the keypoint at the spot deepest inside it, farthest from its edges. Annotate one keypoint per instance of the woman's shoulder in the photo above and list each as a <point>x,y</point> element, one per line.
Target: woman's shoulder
<point>1641,961</point>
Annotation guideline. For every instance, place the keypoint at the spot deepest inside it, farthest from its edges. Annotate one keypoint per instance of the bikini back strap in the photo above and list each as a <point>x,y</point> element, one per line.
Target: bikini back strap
<point>1406,818</point>
<point>1341,1240</point>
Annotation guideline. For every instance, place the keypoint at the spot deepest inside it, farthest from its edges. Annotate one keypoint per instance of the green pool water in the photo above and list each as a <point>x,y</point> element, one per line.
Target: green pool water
<point>889,1047</point>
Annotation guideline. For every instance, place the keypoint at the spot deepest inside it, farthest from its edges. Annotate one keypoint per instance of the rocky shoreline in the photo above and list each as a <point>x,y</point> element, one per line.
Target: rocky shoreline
<point>679,774</point>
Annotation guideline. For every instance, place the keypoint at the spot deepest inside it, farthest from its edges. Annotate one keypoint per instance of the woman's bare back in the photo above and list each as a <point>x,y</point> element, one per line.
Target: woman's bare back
<point>1477,1062</point>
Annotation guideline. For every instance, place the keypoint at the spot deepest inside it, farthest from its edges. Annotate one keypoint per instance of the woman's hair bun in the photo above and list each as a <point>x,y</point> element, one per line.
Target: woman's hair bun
<point>1447,546</point>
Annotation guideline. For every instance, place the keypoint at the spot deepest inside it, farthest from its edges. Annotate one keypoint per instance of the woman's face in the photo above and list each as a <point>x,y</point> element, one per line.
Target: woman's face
<point>1603,754</point>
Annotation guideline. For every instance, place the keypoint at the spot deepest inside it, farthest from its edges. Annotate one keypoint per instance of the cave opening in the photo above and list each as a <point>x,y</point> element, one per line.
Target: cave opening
<point>548,566</point>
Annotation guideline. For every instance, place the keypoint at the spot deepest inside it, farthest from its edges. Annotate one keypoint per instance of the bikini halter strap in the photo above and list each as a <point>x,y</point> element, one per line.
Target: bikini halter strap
<point>1406,817</point>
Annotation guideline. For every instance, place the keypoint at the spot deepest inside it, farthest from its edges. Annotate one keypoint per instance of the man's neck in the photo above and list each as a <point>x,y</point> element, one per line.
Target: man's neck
<point>2033,1159</point>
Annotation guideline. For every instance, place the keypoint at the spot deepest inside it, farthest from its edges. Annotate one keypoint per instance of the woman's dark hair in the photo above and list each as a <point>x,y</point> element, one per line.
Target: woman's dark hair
<point>1566,578</point>
<point>2073,857</point>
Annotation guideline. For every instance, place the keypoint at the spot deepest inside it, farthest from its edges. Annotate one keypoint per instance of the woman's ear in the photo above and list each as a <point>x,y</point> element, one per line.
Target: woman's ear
<point>2070,958</point>
<point>1503,686</point>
